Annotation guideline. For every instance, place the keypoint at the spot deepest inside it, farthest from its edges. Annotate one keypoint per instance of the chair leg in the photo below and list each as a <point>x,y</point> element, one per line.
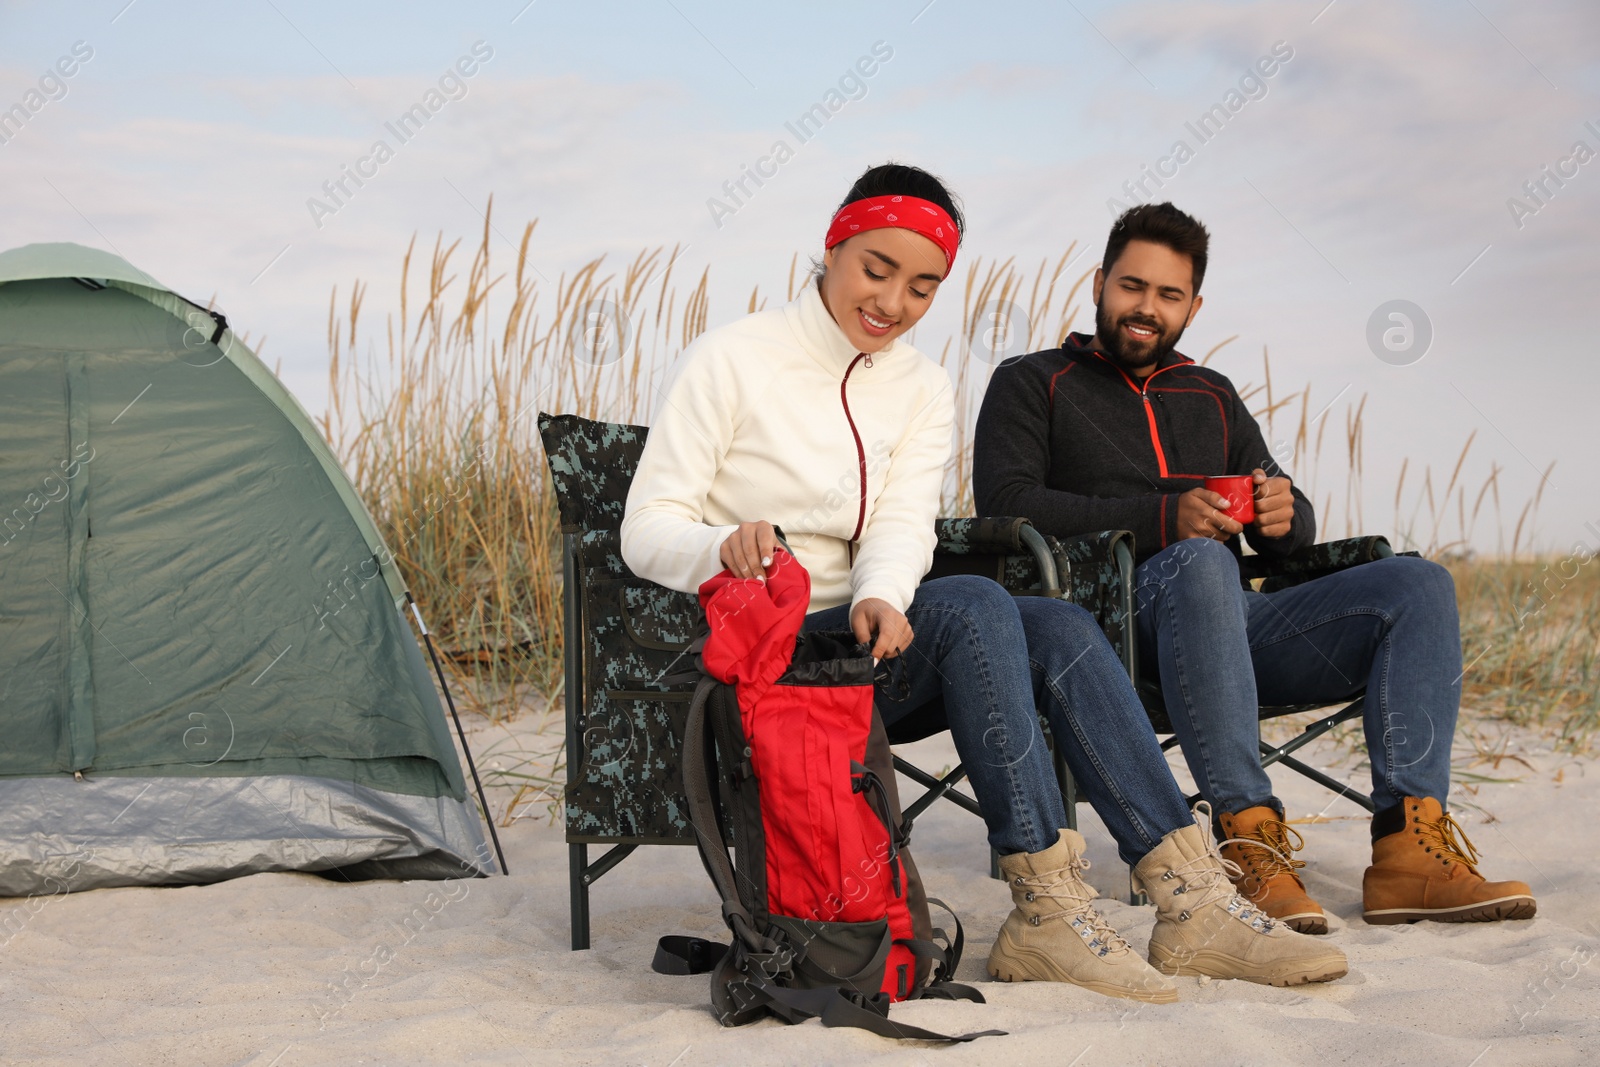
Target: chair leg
<point>577,867</point>
<point>1327,782</point>
<point>937,788</point>
<point>584,875</point>
<point>1354,710</point>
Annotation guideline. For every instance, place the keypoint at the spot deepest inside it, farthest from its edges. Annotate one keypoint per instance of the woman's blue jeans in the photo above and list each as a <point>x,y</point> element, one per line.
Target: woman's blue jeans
<point>985,664</point>
<point>1388,627</point>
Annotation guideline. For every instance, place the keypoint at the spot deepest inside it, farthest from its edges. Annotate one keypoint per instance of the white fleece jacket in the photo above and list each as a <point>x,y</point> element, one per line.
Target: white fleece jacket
<point>756,426</point>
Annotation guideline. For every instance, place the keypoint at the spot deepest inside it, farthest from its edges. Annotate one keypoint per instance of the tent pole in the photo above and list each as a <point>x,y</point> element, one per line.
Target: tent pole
<point>438,668</point>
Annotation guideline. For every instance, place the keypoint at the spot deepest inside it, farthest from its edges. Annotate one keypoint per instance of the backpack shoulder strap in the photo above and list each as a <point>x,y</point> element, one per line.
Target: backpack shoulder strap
<point>944,952</point>
<point>707,831</point>
<point>680,954</point>
<point>838,1006</point>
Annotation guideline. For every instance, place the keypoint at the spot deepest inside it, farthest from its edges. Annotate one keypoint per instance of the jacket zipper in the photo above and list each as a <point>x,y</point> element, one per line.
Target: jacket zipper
<point>1155,437</point>
<point>861,453</point>
<point>1143,389</point>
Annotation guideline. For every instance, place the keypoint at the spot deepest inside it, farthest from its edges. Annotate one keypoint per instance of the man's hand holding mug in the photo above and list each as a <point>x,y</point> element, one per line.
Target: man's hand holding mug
<point>1227,504</point>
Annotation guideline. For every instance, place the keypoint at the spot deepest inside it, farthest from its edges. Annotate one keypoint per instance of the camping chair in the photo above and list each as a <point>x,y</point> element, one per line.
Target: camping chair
<point>623,634</point>
<point>1311,562</point>
<point>1308,563</point>
<point>1101,569</point>
<point>1087,570</point>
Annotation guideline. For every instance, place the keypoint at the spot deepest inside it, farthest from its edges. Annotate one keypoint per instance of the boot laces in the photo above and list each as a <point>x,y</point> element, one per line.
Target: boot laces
<point>1275,844</point>
<point>1213,876</point>
<point>1450,840</point>
<point>1066,886</point>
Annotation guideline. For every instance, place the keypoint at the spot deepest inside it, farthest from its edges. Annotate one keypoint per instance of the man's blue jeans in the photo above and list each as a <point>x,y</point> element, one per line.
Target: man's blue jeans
<point>1388,627</point>
<point>983,664</point>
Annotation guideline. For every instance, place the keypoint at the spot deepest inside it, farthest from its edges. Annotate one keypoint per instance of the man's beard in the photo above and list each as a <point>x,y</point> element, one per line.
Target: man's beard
<point>1132,356</point>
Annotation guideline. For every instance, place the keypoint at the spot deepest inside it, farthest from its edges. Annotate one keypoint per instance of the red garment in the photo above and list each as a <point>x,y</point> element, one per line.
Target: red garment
<point>904,212</point>
<point>827,851</point>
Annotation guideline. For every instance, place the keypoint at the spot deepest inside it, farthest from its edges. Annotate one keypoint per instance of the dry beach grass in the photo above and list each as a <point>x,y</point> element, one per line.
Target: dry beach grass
<point>432,409</point>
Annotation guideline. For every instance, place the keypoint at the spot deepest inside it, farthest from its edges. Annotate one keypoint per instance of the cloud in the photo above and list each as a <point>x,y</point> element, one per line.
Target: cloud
<point>1388,145</point>
<point>1399,129</point>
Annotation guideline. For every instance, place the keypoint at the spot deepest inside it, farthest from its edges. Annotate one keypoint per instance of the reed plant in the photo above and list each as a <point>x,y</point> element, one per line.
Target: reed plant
<point>1530,641</point>
<point>432,409</point>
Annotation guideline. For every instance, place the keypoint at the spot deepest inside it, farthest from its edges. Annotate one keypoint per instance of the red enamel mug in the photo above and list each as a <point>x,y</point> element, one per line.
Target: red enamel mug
<point>1240,489</point>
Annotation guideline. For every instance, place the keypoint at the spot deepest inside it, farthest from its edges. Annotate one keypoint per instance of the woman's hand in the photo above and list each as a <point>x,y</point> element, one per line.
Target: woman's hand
<point>875,622</point>
<point>747,552</point>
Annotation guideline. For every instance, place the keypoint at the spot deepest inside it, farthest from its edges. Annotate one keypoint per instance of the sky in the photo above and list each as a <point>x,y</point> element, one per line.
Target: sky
<point>1360,153</point>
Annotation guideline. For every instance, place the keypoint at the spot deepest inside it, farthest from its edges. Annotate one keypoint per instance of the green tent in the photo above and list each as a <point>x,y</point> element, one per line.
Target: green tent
<point>204,666</point>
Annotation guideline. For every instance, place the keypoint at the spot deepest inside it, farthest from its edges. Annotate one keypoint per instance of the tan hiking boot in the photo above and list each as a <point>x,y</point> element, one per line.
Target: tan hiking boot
<point>1428,871</point>
<point>1204,927</point>
<point>1054,934</point>
<point>1263,847</point>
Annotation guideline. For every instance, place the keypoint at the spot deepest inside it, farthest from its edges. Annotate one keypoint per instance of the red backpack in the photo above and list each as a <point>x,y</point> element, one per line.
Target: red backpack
<point>784,749</point>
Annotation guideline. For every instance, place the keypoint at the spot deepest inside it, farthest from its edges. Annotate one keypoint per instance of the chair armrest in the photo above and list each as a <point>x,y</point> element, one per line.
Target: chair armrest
<point>991,535</point>
<point>1010,550</point>
<point>1314,561</point>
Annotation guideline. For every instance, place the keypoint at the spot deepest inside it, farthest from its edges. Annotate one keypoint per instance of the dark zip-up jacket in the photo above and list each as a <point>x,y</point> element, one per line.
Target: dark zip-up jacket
<point>1070,440</point>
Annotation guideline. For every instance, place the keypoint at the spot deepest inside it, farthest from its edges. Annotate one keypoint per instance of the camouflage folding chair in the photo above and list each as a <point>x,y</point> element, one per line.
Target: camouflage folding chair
<point>1087,570</point>
<point>1099,574</point>
<point>1311,562</point>
<point>624,727</point>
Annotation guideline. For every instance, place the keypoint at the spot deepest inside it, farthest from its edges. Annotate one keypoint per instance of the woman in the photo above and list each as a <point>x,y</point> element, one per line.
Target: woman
<point>819,418</point>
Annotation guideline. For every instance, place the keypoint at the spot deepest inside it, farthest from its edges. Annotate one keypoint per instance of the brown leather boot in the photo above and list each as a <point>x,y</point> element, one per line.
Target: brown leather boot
<point>1427,870</point>
<point>1263,846</point>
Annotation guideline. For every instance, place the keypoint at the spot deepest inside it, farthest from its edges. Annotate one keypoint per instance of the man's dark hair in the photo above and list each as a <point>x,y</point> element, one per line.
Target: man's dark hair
<point>898,179</point>
<point>1160,224</point>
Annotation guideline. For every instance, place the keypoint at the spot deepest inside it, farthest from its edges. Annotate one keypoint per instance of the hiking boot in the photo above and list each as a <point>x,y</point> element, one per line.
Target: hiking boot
<point>1203,926</point>
<point>1263,847</point>
<point>1054,934</point>
<point>1428,870</point>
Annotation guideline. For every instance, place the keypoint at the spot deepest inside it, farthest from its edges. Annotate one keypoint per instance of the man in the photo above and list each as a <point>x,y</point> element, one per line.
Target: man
<point>1119,431</point>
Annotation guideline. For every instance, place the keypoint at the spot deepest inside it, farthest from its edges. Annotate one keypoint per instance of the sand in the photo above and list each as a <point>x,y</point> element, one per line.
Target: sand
<point>292,969</point>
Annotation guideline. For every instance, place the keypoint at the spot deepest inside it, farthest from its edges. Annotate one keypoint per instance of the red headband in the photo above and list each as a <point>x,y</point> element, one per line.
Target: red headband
<point>904,212</point>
